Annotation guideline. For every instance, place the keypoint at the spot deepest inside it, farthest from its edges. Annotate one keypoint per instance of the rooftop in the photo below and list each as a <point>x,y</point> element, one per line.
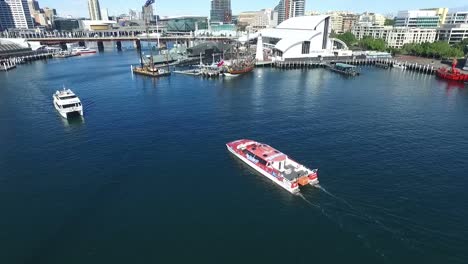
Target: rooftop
<point>266,152</point>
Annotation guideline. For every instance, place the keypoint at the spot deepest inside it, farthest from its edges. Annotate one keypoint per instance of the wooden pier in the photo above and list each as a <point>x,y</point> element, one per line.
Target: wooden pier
<point>7,65</point>
<point>307,64</point>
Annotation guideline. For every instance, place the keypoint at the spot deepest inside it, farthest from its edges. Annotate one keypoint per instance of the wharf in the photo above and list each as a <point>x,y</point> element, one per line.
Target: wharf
<point>7,65</point>
<point>263,63</point>
<point>326,62</point>
<point>382,65</point>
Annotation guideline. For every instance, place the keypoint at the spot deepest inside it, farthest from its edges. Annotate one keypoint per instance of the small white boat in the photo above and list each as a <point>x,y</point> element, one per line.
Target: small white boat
<point>399,66</point>
<point>83,50</point>
<point>67,103</point>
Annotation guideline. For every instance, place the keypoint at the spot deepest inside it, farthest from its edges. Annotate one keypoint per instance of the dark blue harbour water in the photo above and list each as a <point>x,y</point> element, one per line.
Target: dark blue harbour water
<point>145,176</point>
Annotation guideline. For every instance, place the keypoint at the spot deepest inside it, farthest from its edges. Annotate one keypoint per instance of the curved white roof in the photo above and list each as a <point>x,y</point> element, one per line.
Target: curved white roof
<point>303,22</point>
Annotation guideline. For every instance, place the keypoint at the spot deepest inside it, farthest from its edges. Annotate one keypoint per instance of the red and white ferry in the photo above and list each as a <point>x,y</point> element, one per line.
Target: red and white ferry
<point>273,164</point>
<point>83,50</point>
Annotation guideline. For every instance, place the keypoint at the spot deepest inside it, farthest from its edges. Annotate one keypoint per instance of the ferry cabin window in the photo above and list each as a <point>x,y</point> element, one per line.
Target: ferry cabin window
<point>69,105</point>
<point>67,97</point>
<point>260,160</point>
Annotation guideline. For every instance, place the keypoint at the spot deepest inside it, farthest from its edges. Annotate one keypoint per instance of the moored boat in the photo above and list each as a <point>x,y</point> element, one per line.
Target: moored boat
<point>240,67</point>
<point>345,69</point>
<point>452,74</point>
<point>147,70</point>
<point>399,66</point>
<point>273,164</point>
<point>83,50</point>
<point>66,54</point>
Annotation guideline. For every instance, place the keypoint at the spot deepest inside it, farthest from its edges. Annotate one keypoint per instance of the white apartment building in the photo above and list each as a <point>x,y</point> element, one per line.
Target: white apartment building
<point>457,18</point>
<point>264,19</point>
<point>371,19</point>
<point>396,37</point>
<point>15,14</point>
<point>453,33</point>
<point>417,19</point>
<point>336,21</point>
<point>94,10</point>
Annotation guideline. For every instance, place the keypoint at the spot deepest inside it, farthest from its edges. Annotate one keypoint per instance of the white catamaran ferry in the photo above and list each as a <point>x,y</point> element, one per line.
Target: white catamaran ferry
<point>273,164</point>
<point>67,103</point>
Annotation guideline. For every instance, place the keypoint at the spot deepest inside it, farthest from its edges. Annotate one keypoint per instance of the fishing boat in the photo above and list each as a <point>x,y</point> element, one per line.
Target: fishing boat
<point>273,164</point>
<point>452,74</point>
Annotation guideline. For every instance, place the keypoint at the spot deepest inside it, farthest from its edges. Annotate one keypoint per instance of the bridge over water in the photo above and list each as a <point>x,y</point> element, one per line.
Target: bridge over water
<point>110,35</point>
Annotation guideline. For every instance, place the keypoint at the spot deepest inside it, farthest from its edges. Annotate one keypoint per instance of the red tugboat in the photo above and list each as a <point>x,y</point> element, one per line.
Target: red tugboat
<point>273,164</point>
<point>452,74</point>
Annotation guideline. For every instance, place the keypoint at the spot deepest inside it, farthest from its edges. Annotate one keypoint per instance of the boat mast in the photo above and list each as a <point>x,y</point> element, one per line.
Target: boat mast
<point>147,4</point>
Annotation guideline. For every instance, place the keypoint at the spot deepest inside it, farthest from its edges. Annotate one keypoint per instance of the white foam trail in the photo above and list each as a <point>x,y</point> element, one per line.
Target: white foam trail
<point>334,196</point>
<point>307,201</point>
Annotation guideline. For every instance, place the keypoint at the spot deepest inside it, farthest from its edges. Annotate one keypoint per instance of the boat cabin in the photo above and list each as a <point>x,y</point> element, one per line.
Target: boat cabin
<point>272,158</point>
<point>345,67</point>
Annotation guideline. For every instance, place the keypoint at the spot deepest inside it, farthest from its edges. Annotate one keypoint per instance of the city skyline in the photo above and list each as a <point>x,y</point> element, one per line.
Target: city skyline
<point>78,8</point>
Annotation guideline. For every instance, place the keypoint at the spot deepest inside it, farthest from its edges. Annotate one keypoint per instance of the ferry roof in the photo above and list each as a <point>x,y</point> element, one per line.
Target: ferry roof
<point>266,152</point>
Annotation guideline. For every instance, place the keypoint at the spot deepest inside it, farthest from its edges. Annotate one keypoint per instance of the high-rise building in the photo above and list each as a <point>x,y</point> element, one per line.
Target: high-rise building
<point>297,8</point>
<point>290,8</point>
<point>94,10</point>
<point>50,14</point>
<point>371,19</point>
<point>15,14</point>
<point>147,14</point>
<point>33,7</point>
<point>396,37</point>
<point>441,12</point>
<point>336,22</point>
<point>221,11</point>
<point>105,14</point>
<point>453,33</point>
<point>418,18</point>
<point>349,21</point>
<point>457,18</point>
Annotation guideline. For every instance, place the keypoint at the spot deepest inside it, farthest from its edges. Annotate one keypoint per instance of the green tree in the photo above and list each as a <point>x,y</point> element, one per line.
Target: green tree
<point>389,22</point>
<point>463,46</point>
<point>347,38</point>
<point>370,43</point>
<point>438,49</point>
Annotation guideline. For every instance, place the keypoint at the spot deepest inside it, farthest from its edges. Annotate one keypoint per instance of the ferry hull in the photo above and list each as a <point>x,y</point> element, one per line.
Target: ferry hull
<point>70,113</point>
<point>282,184</point>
